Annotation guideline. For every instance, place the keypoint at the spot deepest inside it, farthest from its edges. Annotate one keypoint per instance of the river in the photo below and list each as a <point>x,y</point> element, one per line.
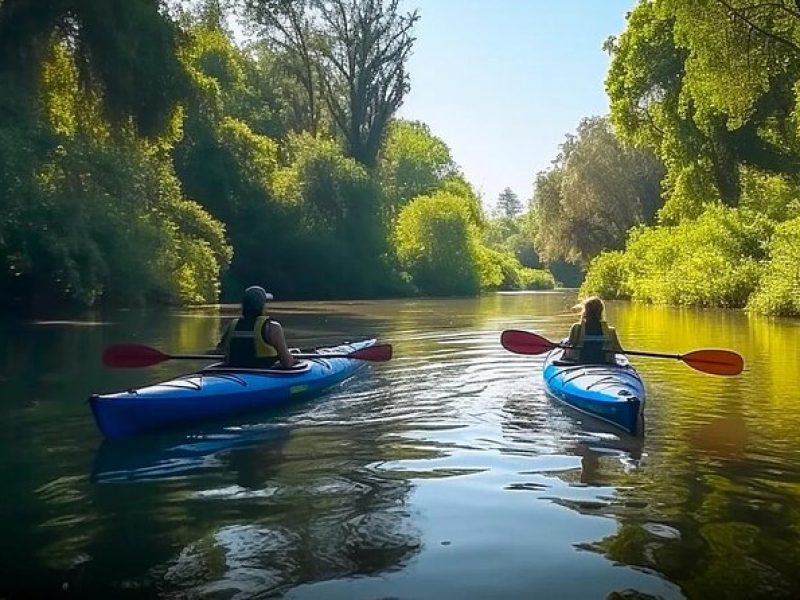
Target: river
<point>446,472</point>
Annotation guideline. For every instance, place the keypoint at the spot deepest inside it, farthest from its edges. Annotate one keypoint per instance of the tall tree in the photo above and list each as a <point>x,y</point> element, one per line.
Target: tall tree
<point>289,25</point>
<point>125,48</point>
<point>508,203</point>
<point>596,191</point>
<point>710,86</point>
<point>353,54</point>
<point>412,162</point>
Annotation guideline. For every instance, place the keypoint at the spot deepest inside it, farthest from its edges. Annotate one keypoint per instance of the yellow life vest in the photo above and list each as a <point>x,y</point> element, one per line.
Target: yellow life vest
<point>261,348</point>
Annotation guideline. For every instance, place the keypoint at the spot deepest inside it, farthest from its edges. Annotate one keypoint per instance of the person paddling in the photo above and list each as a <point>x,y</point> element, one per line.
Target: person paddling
<point>254,340</point>
<point>591,340</point>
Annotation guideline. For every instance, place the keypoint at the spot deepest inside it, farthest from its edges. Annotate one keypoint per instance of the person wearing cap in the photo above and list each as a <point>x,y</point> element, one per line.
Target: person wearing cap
<point>591,340</point>
<point>254,340</point>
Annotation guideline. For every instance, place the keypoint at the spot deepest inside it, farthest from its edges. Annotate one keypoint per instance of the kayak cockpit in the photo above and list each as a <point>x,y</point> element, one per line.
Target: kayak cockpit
<point>221,368</point>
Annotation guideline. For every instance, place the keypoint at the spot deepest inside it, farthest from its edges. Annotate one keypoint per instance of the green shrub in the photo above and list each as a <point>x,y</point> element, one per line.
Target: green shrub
<point>607,276</point>
<point>778,291</point>
<point>714,260</point>
<point>435,242</point>
<point>501,270</point>
<point>535,279</point>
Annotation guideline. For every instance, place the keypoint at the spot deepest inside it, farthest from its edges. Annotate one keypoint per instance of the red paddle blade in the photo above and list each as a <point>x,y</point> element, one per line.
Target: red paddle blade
<point>525,342</point>
<point>379,353</point>
<point>716,362</point>
<point>132,356</point>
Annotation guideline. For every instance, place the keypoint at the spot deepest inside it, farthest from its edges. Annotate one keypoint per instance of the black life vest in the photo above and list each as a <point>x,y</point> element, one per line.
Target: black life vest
<point>244,344</point>
<point>594,342</point>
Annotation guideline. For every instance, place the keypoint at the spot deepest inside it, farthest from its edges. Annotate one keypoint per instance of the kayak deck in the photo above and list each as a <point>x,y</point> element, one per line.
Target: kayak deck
<point>611,393</point>
<point>217,392</point>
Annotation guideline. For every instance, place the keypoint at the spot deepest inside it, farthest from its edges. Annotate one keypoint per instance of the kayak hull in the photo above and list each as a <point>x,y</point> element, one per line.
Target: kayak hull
<point>217,393</point>
<point>614,394</point>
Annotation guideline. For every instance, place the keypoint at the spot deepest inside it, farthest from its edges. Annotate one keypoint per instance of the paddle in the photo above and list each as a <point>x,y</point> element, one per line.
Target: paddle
<point>138,355</point>
<point>715,362</point>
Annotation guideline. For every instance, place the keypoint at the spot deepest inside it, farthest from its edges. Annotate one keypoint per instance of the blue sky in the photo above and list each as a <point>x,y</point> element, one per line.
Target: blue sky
<point>502,81</point>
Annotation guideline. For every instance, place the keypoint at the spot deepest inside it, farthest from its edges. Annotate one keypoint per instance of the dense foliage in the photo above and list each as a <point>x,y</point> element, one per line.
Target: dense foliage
<point>436,242</point>
<point>92,209</point>
<point>712,87</point>
<point>709,261</point>
<point>596,190</point>
<point>146,157</point>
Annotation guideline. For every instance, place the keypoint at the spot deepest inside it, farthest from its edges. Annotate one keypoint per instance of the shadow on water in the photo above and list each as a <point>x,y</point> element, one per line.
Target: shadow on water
<point>179,455</point>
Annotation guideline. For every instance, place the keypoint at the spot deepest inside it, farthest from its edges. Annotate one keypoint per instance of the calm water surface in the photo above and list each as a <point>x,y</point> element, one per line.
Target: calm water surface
<point>445,473</point>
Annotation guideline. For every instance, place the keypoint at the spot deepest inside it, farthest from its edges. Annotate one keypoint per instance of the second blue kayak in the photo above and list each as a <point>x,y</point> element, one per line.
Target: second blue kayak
<point>215,393</point>
<point>612,393</point>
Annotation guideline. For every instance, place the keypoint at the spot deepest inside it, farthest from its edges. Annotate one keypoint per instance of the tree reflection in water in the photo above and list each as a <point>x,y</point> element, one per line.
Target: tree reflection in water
<point>295,506</point>
<point>700,511</point>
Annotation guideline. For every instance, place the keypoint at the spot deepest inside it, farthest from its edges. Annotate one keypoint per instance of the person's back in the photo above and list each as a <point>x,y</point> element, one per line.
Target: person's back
<point>254,340</point>
<point>247,346</point>
<point>591,340</point>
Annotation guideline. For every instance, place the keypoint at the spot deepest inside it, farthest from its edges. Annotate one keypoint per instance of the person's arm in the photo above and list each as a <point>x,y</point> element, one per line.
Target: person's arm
<point>572,353</point>
<point>225,335</point>
<point>277,339</point>
<point>615,345</point>
<point>615,340</point>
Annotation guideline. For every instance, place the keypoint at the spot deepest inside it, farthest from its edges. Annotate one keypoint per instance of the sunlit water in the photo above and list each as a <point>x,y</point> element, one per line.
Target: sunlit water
<point>445,473</point>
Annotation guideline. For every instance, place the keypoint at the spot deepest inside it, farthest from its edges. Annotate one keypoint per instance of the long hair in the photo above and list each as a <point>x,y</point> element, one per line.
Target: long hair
<point>591,309</point>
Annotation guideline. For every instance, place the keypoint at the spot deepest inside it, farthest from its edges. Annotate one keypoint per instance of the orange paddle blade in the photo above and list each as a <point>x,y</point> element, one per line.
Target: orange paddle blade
<point>525,342</point>
<point>132,356</point>
<point>716,362</point>
<point>379,353</point>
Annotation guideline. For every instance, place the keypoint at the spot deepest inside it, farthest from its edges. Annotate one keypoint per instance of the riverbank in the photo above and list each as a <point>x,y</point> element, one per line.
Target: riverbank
<point>726,257</point>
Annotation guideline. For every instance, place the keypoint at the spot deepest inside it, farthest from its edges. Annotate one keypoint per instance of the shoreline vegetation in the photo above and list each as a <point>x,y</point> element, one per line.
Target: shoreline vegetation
<point>147,157</point>
<point>713,91</point>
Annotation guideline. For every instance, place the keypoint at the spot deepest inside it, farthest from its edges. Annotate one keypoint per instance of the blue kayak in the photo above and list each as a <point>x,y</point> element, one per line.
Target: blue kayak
<point>612,393</point>
<point>217,392</point>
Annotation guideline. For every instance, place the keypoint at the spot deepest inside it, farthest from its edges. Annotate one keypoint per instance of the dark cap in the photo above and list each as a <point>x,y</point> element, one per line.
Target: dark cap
<point>254,299</point>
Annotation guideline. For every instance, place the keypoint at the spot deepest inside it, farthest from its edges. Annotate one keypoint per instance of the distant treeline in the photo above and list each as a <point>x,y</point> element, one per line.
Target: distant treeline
<point>145,157</point>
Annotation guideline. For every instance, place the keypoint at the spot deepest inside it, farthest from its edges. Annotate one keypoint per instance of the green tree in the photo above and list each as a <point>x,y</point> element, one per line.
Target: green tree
<point>514,236</point>
<point>436,244</point>
<point>353,54</point>
<point>413,162</point>
<point>94,211</point>
<point>709,86</point>
<point>508,203</point>
<point>125,48</point>
<point>596,191</point>
<point>340,246</point>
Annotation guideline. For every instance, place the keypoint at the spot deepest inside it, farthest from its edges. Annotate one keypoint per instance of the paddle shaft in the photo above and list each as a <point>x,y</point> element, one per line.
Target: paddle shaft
<point>709,360</point>
<point>633,352</point>
<point>221,356</point>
